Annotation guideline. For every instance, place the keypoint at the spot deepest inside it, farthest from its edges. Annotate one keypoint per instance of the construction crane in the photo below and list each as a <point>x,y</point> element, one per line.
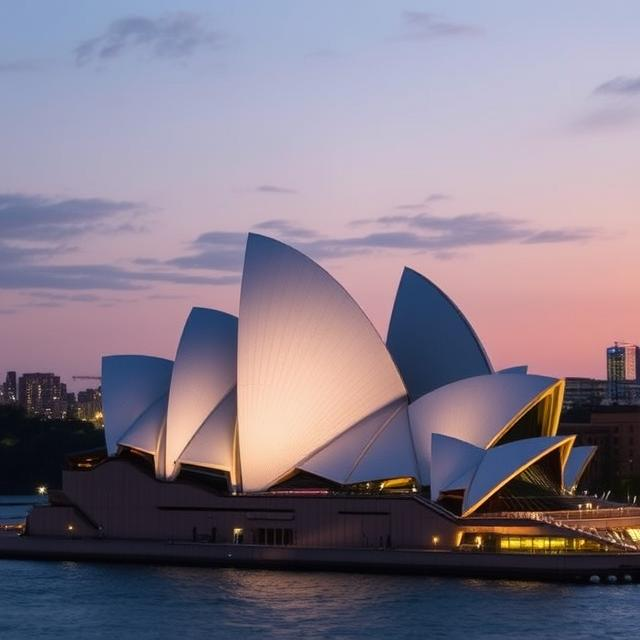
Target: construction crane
<point>86,377</point>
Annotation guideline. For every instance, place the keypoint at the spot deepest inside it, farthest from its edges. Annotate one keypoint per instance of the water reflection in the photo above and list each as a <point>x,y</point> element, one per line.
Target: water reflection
<point>52,600</point>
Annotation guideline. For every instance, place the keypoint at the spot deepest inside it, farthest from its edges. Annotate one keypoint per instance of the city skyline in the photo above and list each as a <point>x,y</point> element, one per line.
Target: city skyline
<point>145,143</point>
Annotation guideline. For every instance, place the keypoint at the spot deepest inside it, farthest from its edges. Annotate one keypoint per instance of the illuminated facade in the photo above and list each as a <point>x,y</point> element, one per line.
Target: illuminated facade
<point>623,369</point>
<point>302,386</point>
<point>295,424</point>
<point>89,405</point>
<point>310,363</point>
<point>622,362</point>
<point>42,394</point>
<point>203,376</point>
<point>9,389</point>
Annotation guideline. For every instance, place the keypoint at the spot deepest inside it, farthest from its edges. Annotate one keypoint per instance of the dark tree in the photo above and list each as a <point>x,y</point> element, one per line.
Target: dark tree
<point>32,451</point>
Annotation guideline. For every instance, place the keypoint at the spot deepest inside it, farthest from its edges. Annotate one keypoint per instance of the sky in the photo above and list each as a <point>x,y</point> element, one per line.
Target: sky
<point>493,147</point>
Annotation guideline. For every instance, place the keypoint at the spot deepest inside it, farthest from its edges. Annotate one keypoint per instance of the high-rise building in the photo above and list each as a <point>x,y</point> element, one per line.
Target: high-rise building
<point>8,393</point>
<point>623,368</point>
<point>89,405</point>
<point>622,362</point>
<point>42,394</point>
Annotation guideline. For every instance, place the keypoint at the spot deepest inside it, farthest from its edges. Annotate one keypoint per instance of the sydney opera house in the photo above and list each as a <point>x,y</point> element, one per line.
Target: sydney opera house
<point>296,425</point>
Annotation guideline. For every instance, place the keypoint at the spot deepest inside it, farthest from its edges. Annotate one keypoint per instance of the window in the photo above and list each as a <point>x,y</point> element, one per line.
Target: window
<point>273,536</point>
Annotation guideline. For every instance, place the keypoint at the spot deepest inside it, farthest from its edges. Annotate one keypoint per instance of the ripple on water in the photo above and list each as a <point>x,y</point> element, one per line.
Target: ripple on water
<point>47,600</point>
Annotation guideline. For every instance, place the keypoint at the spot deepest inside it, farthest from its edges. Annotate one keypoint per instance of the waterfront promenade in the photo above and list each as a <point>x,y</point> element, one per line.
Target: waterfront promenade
<point>625,567</point>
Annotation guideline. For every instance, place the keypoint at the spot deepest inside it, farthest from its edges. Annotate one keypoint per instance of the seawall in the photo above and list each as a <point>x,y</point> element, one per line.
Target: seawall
<point>551,567</point>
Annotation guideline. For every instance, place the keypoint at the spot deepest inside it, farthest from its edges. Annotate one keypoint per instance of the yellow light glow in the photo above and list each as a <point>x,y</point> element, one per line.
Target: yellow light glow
<point>435,540</point>
<point>397,483</point>
<point>70,527</point>
<point>634,534</point>
<point>41,490</point>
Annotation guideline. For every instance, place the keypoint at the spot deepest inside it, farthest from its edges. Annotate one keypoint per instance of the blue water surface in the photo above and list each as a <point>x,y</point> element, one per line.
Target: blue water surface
<point>13,509</point>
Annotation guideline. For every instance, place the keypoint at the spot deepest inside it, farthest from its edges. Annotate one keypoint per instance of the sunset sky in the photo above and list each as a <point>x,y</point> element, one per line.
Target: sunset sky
<point>493,146</point>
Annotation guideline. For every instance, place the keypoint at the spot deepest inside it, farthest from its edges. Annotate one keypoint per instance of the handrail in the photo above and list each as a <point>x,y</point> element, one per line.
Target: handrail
<point>609,537</point>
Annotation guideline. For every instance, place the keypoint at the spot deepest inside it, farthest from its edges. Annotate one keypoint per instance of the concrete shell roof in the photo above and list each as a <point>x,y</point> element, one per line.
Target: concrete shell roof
<point>452,460</point>
<point>390,454</point>
<point>462,482</point>
<point>578,461</point>
<point>310,363</point>
<point>318,390</point>
<point>520,368</point>
<point>503,463</point>
<point>144,434</point>
<point>130,384</point>
<point>212,445</point>
<point>336,460</point>
<point>429,338</point>
<point>203,374</point>
<point>377,448</point>
<point>476,410</point>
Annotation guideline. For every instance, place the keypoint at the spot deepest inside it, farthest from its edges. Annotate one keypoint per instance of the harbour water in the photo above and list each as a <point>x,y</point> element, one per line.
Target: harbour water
<point>13,509</point>
<point>48,600</point>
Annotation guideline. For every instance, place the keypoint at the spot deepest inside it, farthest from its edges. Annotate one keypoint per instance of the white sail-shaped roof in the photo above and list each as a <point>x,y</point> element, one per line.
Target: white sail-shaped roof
<point>453,459</point>
<point>462,482</point>
<point>130,384</point>
<point>520,368</point>
<point>480,410</point>
<point>578,460</point>
<point>310,363</point>
<point>212,445</point>
<point>203,374</point>
<point>338,458</point>
<point>144,433</point>
<point>429,338</point>
<point>390,455</point>
<point>501,464</point>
